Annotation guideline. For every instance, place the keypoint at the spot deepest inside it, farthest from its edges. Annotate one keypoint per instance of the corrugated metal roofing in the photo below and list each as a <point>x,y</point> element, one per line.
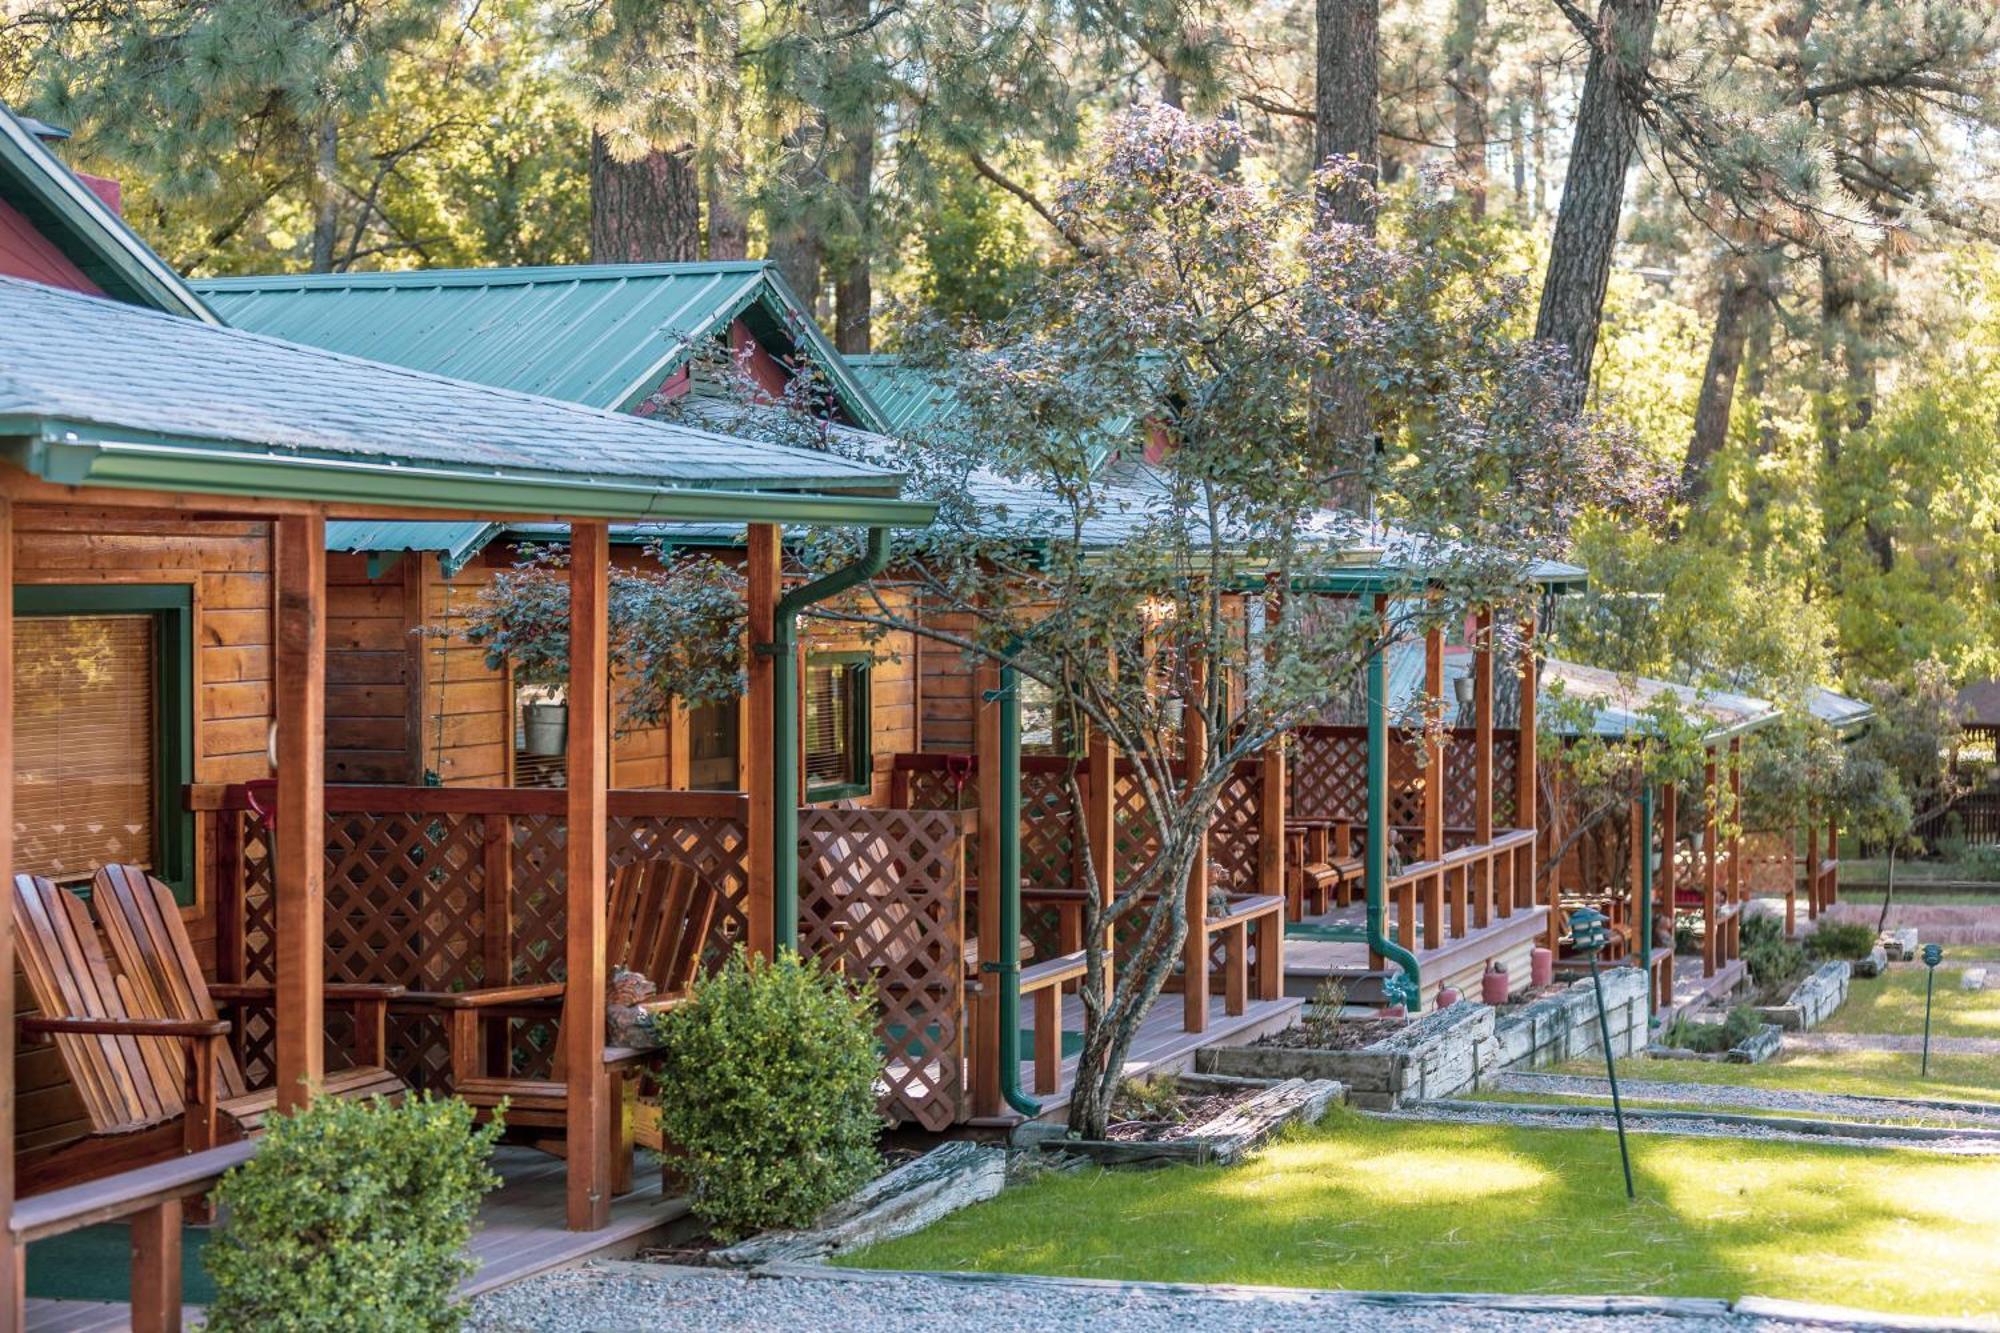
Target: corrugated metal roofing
<point>606,335</point>
<point>908,398</point>
<point>97,369</point>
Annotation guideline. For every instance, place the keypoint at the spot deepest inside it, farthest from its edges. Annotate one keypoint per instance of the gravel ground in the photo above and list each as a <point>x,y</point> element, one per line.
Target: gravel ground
<point>1642,1122</point>
<point>1882,1041</point>
<point>1732,1097</point>
<point>633,1296</point>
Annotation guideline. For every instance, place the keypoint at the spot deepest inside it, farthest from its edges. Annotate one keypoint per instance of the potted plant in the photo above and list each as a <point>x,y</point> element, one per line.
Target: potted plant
<point>521,619</point>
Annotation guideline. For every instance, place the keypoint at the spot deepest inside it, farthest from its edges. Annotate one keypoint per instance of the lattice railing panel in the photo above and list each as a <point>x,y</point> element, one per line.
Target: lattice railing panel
<point>1770,862</point>
<point>882,896</point>
<point>1051,838</point>
<point>1236,832</point>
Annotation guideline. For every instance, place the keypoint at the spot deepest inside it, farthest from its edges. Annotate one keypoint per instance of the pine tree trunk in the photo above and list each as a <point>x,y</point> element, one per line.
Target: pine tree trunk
<point>1734,307</point>
<point>1469,91</point>
<point>1540,92</point>
<point>644,211</point>
<point>1517,153</point>
<point>728,227</point>
<point>325,195</point>
<point>1347,109</point>
<point>853,285</point>
<point>1600,157</point>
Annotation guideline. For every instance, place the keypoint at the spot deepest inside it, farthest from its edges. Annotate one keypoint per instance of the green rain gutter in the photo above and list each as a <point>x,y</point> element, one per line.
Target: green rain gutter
<point>1407,988</point>
<point>359,481</point>
<point>1008,966</point>
<point>784,652</point>
<point>1646,897</point>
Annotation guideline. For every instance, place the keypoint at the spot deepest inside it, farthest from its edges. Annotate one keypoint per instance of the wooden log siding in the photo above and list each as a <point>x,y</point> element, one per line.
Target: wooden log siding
<point>228,565</point>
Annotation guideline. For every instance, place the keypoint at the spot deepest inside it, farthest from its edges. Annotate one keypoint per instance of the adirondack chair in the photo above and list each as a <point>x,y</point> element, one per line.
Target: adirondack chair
<point>657,921</point>
<point>155,1082</point>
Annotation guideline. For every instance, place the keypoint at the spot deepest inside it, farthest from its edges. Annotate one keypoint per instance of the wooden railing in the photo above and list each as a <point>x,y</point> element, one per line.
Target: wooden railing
<point>444,888</point>
<point>1465,889</point>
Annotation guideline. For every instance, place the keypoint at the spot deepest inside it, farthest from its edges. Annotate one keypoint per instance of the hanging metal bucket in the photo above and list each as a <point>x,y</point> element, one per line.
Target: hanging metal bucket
<point>545,728</point>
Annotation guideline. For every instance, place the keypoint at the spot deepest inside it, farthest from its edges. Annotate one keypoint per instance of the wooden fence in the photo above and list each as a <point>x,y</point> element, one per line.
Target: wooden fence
<point>446,888</point>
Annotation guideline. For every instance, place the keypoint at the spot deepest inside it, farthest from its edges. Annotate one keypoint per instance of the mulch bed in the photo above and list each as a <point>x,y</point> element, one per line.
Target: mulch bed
<point>1188,1112</point>
<point>1348,1035</point>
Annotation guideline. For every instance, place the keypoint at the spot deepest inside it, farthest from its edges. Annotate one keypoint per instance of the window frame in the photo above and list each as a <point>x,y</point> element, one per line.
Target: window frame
<point>860,779</point>
<point>172,607</point>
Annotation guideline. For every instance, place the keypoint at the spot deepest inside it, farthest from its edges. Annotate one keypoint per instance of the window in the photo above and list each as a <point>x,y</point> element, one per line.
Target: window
<point>838,762</point>
<point>104,731</point>
<point>712,746</point>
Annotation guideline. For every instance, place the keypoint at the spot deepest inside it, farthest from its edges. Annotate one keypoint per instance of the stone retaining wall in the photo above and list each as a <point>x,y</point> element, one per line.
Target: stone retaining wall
<point>1563,1027</point>
<point>1813,1000</point>
<point>1437,1055</point>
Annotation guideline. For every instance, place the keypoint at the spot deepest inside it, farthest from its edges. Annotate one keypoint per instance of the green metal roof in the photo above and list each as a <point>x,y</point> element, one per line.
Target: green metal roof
<point>84,228</point>
<point>607,335</point>
<point>909,398</point>
<point>95,392</point>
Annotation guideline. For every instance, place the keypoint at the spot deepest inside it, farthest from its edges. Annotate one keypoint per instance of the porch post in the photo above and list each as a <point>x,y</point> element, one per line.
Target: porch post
<point>1664,891</point>
<point>759,755</point>
<point>1100,829</point>
<point>1194,757</point>
<point>1527,807</point>
<point>1711,929</point>
<point>986,1011</point>
<point>589,759</point>
<point>1276,779</point>
<point>1739,887</point>
<point>1812,871</point>
<point>12,1297</point>
<point>300,862</point>
<point>1434,752</point>
<point>1482,760</point>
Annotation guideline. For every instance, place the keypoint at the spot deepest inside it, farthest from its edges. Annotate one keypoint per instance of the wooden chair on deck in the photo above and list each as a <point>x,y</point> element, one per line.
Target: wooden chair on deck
<point>144,1045</point>
<point>657,922</point>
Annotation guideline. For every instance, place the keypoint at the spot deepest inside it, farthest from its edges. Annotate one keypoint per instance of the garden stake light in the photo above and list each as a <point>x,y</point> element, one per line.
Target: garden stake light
<point>1588,936</point>
<point>1933,955</point>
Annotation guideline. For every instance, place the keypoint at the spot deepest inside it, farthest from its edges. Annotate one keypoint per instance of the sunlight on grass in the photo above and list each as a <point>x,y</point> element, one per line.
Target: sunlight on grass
<point>1894,1004</point>
<point>1970,1078</point>
<point>1371,1204</point>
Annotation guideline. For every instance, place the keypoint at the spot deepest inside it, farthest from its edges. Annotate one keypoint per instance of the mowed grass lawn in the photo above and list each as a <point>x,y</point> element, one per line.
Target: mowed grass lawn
<point>1367,1204</point>
<point>1972,1078</point>
<point>1893,1003</point>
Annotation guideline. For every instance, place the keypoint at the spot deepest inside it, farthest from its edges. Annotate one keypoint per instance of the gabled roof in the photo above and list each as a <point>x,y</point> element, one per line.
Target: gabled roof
<point>909,398</point>
<point>95,392</point>
<point>93,237</point>
<point>606,335</point>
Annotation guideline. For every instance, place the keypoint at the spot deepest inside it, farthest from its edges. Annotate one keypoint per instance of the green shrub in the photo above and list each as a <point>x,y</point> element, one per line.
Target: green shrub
<point>1714,1038</point>
<point>1773,960</point>
<point>352,1215</point>
<point>1840,939</point>
<point>1762,928</point>
<point>769,1070</point>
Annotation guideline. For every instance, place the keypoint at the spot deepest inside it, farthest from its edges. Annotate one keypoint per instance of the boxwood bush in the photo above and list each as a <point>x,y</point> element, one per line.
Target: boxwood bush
<point>352,1215</point>
<point>768,1073</point>
<point>1840,939</point>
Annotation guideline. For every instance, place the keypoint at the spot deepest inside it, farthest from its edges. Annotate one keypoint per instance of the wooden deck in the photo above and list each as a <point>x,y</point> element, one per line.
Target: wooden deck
<point>520,1234</point>
<point>1162,1046</point>
<point>1457,962</point>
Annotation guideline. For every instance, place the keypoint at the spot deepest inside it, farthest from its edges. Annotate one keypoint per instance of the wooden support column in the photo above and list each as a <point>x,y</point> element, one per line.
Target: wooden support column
<point>1552,927</point>
<point>1664,891</point>
<point>1635,889</point>
<point>1812,871</point>
<point>156,1268</point>
<point>1100,830</point>
<point>986,1099</point>
<point>589,1130</point>
<point>1194,754</point>
<point>12,1255</point>
<point>1434,750</point>
<point>1833,855</point>
<point>419,572</point>
<point>1527,808</point>
<point>1739,886</point>
<point>300,860</point>
<point>1482,760</point>
<point>763,572</point>
<point>1711,902</point>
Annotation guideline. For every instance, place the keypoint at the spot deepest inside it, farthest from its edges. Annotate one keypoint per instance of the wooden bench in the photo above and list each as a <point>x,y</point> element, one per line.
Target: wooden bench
<point>1045,982</point>
<point>1265,914</point>
<point>151,1196</point>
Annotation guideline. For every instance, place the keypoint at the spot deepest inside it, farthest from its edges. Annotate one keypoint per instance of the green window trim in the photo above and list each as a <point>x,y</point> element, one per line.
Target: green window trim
<point>172,607</point>
<point>860,777</point>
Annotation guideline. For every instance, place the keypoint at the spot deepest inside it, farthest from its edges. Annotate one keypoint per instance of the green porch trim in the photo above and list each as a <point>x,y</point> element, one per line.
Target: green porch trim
<point>172,607</point>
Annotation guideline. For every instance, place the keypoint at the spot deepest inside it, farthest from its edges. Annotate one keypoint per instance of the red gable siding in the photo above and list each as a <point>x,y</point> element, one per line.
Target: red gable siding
<point>26,253</point>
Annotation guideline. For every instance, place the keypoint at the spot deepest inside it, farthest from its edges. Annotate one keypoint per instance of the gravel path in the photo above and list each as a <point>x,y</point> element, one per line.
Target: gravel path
<point>635,1296</point>
<point>1882,1041</point>
<point>1645,1122</point>
<point>1759,1099</point>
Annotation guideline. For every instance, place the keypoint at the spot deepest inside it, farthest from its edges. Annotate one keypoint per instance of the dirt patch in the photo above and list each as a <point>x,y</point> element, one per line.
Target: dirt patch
<point>1153,1115</point>
<point>1349,1035</point>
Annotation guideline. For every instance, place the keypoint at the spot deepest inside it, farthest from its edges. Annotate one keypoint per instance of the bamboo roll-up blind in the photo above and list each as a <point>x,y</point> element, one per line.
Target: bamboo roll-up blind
<point>85,739</point>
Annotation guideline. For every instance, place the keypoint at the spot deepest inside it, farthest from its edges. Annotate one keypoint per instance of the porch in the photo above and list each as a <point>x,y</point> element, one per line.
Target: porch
<point>77,1282</point>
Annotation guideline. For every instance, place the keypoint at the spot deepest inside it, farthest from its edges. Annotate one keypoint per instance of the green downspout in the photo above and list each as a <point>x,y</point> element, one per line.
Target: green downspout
<point>784,652</point>
<point>1646,896</point>
<point>1008,966</point>
<point>1408,988</point>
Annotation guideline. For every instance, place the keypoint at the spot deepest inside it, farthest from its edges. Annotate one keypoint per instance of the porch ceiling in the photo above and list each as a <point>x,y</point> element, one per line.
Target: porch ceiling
<point>95,392</point>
